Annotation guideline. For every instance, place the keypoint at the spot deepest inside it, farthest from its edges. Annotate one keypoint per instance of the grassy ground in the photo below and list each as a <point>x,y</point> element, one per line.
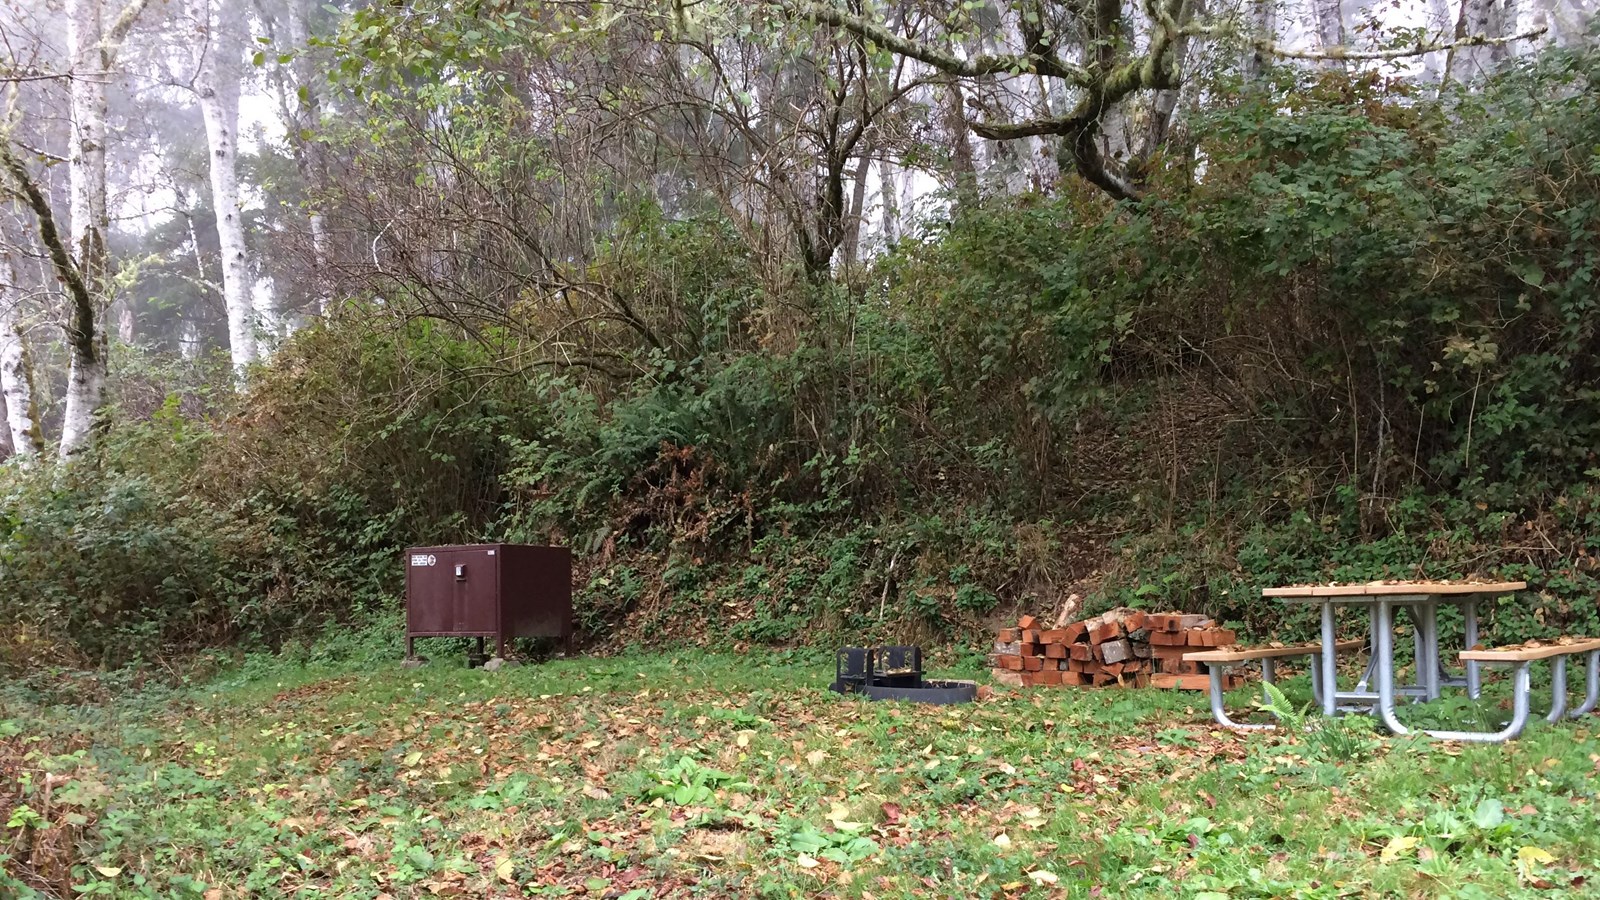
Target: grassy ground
<point>697,775</point>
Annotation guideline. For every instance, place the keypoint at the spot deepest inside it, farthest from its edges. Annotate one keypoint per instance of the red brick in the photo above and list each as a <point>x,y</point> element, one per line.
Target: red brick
<point>1106,631</point>
<point>1008,636</point>
<point>1083,652</point>
<point>1103,678</point>
<point>1031,636</point>
<point>1055,651</point>
<point>1114,668</point>
<point>1027,622</point>
<point>1077,631</point>
<point>1032,663</point>
<point>1053,636</point>
<point>1014,663</point>
<point>1225,637</point>
<point>1161,622</point>
<point>1141,680</point>
<point>1027,649</point>
<point>1192,620</point>
<point>1134,621</point>
<point>1168,638</point>
<point>1198,637</point>
<point>1078,665</point>
<point>1074,679</point>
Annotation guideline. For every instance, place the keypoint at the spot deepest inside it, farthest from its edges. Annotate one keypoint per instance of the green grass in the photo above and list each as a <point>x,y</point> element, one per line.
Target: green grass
<point>702,775</point>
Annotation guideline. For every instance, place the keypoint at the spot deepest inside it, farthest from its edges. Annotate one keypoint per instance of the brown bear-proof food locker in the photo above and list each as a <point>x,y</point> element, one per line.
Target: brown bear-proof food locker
<point>495,591</point>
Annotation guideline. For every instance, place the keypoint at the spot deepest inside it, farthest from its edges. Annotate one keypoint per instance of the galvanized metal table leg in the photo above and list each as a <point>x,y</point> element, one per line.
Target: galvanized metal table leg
<point>1216,671</point>
<point>1383,641</point>
<point>1558,689</point>
<point>1329,674</point>
<point>1520,689</point>
<point>1372,657</point>
<point>1428,664</point>
<point>1316,685</point>
<point>1593,693</point>
<point>1469,612</point>
<point>1419,649</point>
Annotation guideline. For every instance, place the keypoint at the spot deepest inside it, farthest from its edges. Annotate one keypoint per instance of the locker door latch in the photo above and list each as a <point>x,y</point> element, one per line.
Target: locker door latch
<point>461,571</point>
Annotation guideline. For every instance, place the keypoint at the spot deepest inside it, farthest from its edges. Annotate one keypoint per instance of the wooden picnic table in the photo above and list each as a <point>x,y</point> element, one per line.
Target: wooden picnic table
<point>1421,599</point>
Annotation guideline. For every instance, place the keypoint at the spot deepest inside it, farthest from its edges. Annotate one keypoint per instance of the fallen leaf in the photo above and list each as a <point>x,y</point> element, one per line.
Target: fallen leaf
<point>108,871</point>
<point>1533,855</point>
<point>1398,846</point>
<point>806,862</point>
<point>1043,876</point>
<point>839,815</point>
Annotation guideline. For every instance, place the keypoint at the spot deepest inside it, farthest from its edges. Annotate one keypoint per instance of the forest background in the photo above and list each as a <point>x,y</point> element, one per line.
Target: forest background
<point>795,321</point>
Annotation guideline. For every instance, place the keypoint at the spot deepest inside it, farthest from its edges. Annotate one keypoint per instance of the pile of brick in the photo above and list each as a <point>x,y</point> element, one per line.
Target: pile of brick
<point>1121,647</point>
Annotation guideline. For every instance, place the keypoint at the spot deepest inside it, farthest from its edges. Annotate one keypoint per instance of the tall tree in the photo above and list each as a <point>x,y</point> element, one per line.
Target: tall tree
<point>1478,19</point>
<point>92,48</point>
<point>302,119</point>
<point>16,375</point>
<point>216,85</point>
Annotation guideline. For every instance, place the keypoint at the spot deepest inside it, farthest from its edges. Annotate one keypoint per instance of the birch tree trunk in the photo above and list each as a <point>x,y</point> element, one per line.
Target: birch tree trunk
<point>1264,24</point>
<point>217,86</point>
<point>891,201</point>
<point>307,153</point>
<point>1466,63</point>
<point>856,216</point>
<point>86,168</point>
<point>1438,24</point>
<point>962,165</point>
<point>1503,20</point>
<point>16,379</point>
<point>1330,27</point>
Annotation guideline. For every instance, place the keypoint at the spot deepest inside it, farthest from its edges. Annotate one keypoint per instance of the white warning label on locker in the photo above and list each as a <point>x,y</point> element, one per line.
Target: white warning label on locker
<point>424,559</point>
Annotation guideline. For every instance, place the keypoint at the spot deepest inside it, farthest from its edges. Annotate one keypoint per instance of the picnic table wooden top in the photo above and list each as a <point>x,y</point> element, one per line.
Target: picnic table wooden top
<point>1392,588</point>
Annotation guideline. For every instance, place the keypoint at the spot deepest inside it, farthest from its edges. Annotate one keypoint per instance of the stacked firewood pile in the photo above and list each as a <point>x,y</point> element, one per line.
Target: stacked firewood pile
<point>1121,647</point>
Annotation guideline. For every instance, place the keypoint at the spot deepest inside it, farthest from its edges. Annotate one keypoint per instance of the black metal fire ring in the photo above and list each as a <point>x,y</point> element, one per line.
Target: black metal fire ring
<point>894,673</point>
<point>938,693</point>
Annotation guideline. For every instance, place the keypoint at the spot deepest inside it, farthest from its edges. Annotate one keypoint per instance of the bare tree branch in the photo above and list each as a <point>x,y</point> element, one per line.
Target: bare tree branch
<point>1420,49</point>
<point>1034,63</point>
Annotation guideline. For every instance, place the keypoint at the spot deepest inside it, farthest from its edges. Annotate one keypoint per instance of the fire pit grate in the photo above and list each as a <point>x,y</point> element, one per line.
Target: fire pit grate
<point>894,673</point>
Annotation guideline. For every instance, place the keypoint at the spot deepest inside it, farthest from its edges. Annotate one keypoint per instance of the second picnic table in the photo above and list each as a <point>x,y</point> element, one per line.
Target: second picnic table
<point>1422,599</point>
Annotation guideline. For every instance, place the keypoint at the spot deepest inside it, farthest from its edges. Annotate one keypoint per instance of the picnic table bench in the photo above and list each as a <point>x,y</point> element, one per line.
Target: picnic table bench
<point>1218,661</point>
